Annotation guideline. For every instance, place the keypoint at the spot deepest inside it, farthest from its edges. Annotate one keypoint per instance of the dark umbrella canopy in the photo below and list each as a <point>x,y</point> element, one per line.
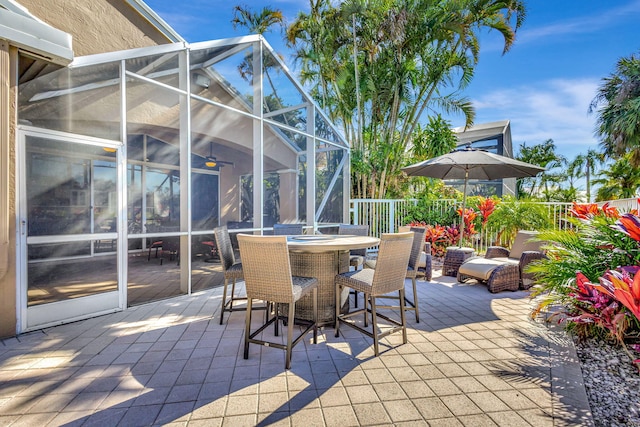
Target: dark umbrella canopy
<point>471,163</point>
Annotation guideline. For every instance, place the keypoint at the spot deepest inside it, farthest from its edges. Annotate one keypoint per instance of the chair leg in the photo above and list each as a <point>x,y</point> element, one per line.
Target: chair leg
<point>366,313</point>
<point>337,322</point>
<point>290,326</point>
<point>415,299</point>
<point>374,324</point>
<point>315,315</point>
<point>355,299</point>
<point>224,300</point>
<point>247,327</point>
<point>276,327</point>
<point>233,292</point>
<point>403,316</point>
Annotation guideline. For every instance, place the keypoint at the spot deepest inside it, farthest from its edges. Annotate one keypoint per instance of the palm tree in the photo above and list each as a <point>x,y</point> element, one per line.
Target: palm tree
<point>260,23</point>
<point>620,181</point>
<point>411,57</point>
<point>543,155</point>
<point>257,23</point>
<point>584,165</point>
<point>617,105</point>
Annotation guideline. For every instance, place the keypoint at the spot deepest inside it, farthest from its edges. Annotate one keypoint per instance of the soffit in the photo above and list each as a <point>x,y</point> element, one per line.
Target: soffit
<point>27,32</point>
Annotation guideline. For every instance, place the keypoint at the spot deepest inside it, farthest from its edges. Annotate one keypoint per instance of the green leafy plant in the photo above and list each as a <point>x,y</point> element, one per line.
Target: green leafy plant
<point>580,276</point>
<point>512,215</point>
<point>426,212</point>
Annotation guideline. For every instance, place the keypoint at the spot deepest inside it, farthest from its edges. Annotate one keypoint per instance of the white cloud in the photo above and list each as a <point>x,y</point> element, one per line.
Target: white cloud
<point>554,109</point>
<point>581,25</point>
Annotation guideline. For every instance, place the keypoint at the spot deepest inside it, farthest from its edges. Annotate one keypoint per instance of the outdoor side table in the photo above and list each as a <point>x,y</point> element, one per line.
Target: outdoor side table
<point>453,259</point>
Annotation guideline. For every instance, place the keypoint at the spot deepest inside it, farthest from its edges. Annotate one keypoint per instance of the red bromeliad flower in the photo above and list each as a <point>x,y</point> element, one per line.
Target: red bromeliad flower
<point>622,287</point>
<point>618,285</point>
<point>629,224</point>
<point>589,210</point>
<point>469,216</point>
<point>486,207</point>
<point>610,211</point>
<point>584,210</point>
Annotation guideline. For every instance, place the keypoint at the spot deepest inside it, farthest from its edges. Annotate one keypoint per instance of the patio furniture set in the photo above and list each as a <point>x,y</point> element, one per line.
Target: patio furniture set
<point>306,279</point>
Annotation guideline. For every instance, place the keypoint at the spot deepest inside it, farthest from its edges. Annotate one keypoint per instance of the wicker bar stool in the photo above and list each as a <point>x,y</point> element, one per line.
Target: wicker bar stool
<point>267,274</point>
<point>419,235</point>
<point>357,257</point>
<point>231,269</point>
<point>387,277</point>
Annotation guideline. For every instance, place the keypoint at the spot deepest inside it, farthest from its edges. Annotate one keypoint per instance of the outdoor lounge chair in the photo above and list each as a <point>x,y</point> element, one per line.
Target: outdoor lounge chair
<point>502,269</point>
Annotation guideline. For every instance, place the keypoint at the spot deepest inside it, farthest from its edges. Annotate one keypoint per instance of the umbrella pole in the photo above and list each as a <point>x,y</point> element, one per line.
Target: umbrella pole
<point>464,204</point>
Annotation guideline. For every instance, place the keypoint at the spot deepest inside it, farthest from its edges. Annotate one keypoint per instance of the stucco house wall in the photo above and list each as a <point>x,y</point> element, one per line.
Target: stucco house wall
<point>98,26</point>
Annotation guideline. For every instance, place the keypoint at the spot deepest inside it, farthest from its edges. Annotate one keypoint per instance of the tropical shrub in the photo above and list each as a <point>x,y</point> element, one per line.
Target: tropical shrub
<point>590,274</point>
<point>425,211</point>
<point>510,216</point>
<point>439,236</point>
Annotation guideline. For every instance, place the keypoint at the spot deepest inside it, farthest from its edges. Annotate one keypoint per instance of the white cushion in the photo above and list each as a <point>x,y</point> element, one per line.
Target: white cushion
<point>481,268</point>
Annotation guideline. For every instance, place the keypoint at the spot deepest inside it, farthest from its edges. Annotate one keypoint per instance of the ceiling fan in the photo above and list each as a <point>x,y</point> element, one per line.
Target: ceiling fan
<point>212,162</point>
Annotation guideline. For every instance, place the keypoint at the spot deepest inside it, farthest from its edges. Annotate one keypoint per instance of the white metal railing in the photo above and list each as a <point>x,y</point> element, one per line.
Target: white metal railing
<point>387,215</point>
<point>623,205</point>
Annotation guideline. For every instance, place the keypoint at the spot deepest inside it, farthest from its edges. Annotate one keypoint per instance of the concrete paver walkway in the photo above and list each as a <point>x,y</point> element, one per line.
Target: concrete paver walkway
<point>475,359</point>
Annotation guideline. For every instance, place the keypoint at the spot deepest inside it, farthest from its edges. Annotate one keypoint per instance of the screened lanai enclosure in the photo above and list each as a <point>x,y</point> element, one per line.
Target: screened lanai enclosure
<point>128,160</point>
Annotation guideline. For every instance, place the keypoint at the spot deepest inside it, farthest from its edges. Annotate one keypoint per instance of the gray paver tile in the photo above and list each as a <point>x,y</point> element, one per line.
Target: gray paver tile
<point>508,419</point>
<point>362,394</point>
<point>401,410</point>
<point>479,420</point>
<point>515,399</point>
<point>488,401</point>
<point>308,417</point>
<point>389,391</point>
<point>241,405</point>
<point>443,387</point>
<point>371,414</point>
<point>460,404</point>
<point>432,408</point>
<point>340,416</point>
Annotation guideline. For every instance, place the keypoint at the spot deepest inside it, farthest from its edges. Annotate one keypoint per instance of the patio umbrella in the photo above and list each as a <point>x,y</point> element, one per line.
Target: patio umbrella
<point>471,163</point>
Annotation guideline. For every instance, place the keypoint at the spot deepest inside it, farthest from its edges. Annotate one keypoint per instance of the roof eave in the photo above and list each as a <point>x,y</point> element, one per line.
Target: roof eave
<point>36,37</point>
<point>155,20</point>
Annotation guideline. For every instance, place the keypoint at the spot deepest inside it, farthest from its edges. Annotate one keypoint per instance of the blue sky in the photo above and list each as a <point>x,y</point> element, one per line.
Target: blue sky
<point>544,85</point>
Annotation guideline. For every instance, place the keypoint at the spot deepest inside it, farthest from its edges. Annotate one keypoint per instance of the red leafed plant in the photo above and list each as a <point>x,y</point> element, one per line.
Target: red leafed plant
<point>603,303</point>
<point>587,211</point>
<point>469,217</point>
<point>486,208</point>
<point>440,237</point>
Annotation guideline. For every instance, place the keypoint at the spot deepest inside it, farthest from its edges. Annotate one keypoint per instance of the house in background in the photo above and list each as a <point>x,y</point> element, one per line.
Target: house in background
<point>494,137</point>
<point>120,139</point>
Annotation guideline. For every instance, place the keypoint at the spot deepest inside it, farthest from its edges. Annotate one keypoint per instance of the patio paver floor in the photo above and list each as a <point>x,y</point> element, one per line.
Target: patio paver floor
<point>475,359</point>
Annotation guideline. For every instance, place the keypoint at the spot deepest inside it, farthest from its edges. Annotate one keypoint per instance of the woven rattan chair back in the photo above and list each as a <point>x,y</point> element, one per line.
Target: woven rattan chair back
<point>419,236</point>
<point>391,266</point>
<point>287,229</point>
<point>354,230</point>
<point>225,248</point>
<point>266,266</point>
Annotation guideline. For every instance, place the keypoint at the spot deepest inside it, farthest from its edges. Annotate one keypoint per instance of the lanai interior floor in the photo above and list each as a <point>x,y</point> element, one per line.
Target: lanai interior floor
<point>475,359</point>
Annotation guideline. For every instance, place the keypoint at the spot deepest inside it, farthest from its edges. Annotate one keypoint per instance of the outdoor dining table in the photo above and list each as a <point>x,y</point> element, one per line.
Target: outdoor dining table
<point>323,257</point>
